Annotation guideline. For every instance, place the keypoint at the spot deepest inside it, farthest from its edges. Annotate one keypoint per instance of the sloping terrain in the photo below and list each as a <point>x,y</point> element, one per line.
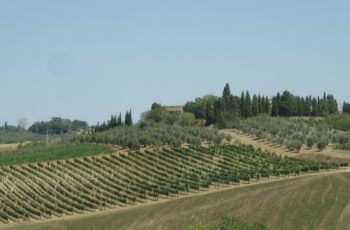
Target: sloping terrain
<point>320,201</point>
<point>38,191</point>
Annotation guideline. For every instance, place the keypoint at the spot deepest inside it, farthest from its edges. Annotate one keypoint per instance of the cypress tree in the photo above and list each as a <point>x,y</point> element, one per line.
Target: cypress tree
<point>279,103</point>
<point>260,105</point>
<point>275,111</point>
<point>267,105</point>
<point>314,106</point>
<point>128,118</point>
<point>210,114</point>
<point>346,107</point>
<point>307,105</point>
<point>119,121</point>
<point>299,107</point>
<point>247,106</point>
<point>255,105</point>
<point>226,92</point>
<point>242,103</point>
<point>113,122</point>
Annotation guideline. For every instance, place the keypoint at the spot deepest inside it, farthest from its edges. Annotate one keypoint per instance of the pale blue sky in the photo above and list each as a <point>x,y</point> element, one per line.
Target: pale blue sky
<point>90,59</point>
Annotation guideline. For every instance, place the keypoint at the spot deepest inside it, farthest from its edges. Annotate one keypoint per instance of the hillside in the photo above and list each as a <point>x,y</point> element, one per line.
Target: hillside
<point>61,188</point>
<point>312,202</point>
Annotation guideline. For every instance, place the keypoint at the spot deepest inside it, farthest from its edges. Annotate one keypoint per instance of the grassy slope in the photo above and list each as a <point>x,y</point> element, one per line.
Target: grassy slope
<point>54,151</point>
<point>315,202</point>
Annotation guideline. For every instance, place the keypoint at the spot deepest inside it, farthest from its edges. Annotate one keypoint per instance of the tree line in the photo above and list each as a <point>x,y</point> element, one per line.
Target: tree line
<point>346,108</point>
<point>57,125</point>
<point>114,121</point>
<point>287,104</point>
<point>229,108</point>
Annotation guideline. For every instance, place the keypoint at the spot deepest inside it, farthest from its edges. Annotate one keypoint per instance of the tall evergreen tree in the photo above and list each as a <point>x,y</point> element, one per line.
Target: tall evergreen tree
<point>346,108</point>
<point>255,105</point>
<point>119,121</point>
<point>332,104</point>
<point>275,111</point>
<point>112,122</point>
<point>226,92</point>
<point>248,112</point>
<point>242,103</point>
<point>314,107</point>
<point>267,106</point>
<point>260,104</point>
<point>278,97</point>
<point>307,104</point>
<point>128,118</point>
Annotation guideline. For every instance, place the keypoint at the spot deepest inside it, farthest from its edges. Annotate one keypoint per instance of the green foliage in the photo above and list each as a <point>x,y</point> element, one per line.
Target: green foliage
<point>288,104</point>
<point>114,122</point>
<point>200,107</point>
<point>159,115</point>
<point>128,118</point>
<point>346,108</point>
<point>344,147</point>
<point>39,151</point>
<point>11,134</point>
<point>293,133</point>
<point>14,136</point>
<point>150,133</point>
<point>340,122</point>
<point>322,143</point>
<point>57,126</point>
<point>230,223</point>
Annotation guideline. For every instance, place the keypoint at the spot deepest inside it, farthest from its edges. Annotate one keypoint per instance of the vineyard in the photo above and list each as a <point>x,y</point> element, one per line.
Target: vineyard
<point>74,186</point>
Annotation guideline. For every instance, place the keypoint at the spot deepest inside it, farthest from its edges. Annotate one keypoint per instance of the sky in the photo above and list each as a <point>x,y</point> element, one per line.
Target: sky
<point>87,59</point>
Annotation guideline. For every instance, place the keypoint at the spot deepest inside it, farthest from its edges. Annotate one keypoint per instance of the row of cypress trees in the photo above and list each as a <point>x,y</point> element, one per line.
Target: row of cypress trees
<point>114,122</point>
<point>229,108</point>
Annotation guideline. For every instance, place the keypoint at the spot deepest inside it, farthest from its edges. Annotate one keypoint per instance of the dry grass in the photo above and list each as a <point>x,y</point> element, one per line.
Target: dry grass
<point>7,147</point>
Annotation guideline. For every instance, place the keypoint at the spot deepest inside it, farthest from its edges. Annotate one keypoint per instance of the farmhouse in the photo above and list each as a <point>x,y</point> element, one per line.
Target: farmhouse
<point>176,109</point>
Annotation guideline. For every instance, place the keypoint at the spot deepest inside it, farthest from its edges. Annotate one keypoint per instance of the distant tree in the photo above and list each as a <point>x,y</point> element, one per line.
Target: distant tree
<point>210,114</point>
<point>314,104</point>
<point>346,107</point>
<point>56,125</point>
<point>242,104</point>
<point>247,106</point>
<point>287,104</point>
<point>275,110</point>
<point>255,106</point>
<point>267,105</point>
<point>332,104</point>
<point>128,118</point>
<point>155,106</point>
<point>112,122</point>
<point>200,107</point>
<point>307,105</point>
<point>260,104</point>
<point>299,106</point>
<point>226,92</point>
<point>278,102</point>
<point>119,120</point>
<point>77,124</point>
